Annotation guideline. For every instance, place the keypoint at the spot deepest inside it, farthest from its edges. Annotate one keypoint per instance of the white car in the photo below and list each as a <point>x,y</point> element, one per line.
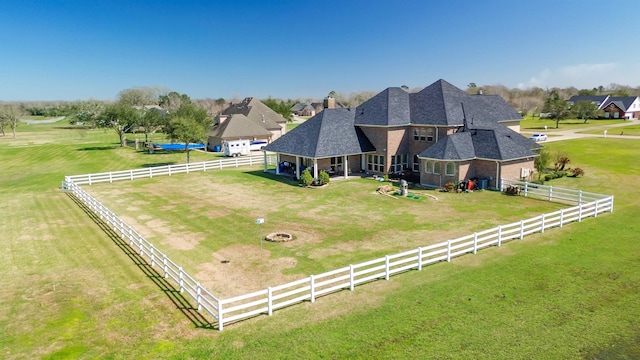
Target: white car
<point>538,137</point>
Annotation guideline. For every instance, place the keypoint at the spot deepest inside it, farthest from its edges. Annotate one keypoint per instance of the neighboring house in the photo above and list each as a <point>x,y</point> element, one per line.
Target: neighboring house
<point>250,119</point>
<point>438,134</point>
<point>303,109</point>
<point>614,107</point>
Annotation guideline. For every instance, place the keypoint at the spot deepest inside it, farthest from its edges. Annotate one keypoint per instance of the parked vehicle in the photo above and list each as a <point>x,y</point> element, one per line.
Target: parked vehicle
<point>236,148</point>
<point>257,145</point>
<point>538,137</point>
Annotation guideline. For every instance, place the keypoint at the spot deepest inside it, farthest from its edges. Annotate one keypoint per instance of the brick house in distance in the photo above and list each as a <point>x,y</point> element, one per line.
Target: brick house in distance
<point>437,135</point>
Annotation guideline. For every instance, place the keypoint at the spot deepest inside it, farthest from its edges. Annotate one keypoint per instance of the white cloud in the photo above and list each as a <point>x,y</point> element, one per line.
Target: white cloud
<point>585,76</point>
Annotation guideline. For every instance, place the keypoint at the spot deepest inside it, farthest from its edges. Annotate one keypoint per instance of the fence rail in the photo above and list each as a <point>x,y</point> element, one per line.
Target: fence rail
<point>150,172</point>
<point>265,301</point>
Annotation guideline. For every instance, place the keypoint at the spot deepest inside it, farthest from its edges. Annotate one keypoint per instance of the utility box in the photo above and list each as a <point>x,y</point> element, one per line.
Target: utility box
<point>236,148</point>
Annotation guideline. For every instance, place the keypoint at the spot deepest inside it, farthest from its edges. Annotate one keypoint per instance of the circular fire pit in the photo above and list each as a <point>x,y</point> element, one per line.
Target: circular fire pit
<point>279,237</point>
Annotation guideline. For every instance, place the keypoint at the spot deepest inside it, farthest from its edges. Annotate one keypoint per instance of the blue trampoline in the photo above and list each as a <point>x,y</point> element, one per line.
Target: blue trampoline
<point>178,146</point>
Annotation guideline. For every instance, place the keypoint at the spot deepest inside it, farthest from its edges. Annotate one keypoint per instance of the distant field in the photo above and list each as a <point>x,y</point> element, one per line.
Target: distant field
<point>530,124</point>
<point>632,130</point>
<point>69,291</point>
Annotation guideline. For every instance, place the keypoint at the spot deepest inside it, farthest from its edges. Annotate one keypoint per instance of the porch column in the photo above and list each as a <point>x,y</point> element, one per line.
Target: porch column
<point>363,162</point>
<point>297,167</point>
<point>264,153</point>
<point>277,162</point>
<point>315,169</point>
<point>345,161</point>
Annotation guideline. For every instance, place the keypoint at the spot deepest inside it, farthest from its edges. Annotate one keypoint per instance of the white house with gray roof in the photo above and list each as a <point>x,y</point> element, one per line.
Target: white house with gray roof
<point>434,136</point>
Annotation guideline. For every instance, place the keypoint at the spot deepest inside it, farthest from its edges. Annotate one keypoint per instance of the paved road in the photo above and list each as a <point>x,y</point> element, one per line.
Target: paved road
<point>612,132</point>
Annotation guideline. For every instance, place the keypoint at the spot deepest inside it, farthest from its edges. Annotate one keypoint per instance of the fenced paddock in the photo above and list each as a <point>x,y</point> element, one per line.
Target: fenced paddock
<point>224,311</point>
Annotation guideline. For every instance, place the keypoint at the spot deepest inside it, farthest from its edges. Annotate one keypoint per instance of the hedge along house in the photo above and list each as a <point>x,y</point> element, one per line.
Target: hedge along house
<point>389,134</point>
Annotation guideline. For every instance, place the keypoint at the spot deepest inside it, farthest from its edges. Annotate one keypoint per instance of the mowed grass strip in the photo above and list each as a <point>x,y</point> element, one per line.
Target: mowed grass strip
<point>570,293</point>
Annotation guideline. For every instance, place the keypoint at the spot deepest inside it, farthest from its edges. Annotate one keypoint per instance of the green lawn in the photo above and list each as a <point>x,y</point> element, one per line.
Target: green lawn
<point>69,291</point>
<point>530,124</point>
<point>631,130</point>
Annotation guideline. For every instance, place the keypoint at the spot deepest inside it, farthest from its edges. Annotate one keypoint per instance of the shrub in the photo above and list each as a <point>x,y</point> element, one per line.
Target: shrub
<point>548,177</point>
<point>305,178</point>
<point>577,172</point>
<point>450,186</point>
<point>323,178</point>
<point>538,181</point>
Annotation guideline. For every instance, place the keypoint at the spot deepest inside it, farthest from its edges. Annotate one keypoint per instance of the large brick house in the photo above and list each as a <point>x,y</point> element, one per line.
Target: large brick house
<point>249,119</point>
<point>436,135</point>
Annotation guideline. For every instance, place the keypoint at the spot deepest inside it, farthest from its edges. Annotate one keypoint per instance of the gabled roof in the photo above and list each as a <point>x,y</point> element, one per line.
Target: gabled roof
<point>388,108</point>
<point>256,110</point>
<point>488,142</point>
<point>328,134</point>
<point>622,102</point>
<point>239,126</point>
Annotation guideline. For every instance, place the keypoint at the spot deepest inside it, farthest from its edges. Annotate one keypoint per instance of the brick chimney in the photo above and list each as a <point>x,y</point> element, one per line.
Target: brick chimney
<point>329,102</point>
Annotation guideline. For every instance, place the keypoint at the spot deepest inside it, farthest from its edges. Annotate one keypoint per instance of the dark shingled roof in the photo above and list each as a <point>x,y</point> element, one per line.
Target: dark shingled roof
<point>489,142</point>
<point>328,134</point>
<point>622,102</point>
<point>439,104</point>
<point>598,99</point>
<point>388,108</point>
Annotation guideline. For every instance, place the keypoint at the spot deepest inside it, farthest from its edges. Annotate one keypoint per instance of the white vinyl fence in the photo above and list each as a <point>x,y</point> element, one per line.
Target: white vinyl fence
<point>89,179</point>
<point>224,311</point>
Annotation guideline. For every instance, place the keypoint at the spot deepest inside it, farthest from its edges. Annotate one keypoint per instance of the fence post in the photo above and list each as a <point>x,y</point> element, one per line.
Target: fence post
<point>419,258</point>
<point>499,235</point>
<point>386,267</point>
<point>611,202</point>
<point>521,229</point>
<point>181,282</point>
<point>204,166</point>
<point>561,217</point>
<point>89,179</point>
<point>269,301</point>
<point>352,284</point>
<point>187,167</point>
<point>526,188</point>
<point>595,208</point>
<point>153,261</point>
<point>580,212</point>
<point>312,289</point>
<point>542,224</point>
<point>220,320</point>
<point>169,167</point>
<point>579,196</point>
<point>110,177</point>
<point>164,266</point>
<point>198,291</point>
<point>550,193</point>
<point>150,173</point>
<point>448,250</point>
<point>131,174</point>
<point>475,242</point>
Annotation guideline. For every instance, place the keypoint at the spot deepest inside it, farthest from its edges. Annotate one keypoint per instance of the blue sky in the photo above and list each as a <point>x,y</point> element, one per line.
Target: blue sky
<point>77,50</point>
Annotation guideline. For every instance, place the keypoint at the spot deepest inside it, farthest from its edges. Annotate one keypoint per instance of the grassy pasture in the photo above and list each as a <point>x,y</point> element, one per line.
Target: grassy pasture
<point>531,124</point>
<point>201,219</point>
<point>70,292</point>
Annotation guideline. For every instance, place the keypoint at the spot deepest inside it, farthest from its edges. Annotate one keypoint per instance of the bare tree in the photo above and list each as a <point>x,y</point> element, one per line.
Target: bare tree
<point>10,115</point>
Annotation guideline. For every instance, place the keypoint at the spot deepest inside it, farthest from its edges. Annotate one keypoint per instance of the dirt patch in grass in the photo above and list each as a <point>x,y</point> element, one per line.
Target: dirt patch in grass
<point>240,269</point>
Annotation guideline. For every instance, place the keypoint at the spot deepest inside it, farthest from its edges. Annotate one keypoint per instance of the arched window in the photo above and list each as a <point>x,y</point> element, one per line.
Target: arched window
<point>450,169</point>
<point>428,166</point>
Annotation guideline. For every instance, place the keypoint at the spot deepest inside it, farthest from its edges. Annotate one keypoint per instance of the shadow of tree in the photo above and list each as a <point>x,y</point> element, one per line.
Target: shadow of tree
<point>180,302</point>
